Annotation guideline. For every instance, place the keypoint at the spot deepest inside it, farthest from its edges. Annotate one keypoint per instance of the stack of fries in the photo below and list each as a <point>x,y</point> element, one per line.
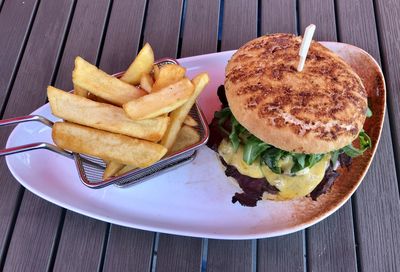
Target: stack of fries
<point>131,122</point>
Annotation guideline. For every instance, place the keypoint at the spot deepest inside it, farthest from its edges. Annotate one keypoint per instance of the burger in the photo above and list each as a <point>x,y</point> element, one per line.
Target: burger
<point>283,134</point>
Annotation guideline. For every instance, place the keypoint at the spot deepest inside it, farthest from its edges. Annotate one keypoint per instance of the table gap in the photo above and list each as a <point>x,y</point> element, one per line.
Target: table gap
<point>153,264</point>
<point>54,248</point>
<point>141,39</point>
<point>19,58</point>
<point>220,25</point>
<point>104,32</point>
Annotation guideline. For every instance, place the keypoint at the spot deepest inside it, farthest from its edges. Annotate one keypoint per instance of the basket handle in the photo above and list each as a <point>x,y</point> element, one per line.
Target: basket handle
<point>33,146</point>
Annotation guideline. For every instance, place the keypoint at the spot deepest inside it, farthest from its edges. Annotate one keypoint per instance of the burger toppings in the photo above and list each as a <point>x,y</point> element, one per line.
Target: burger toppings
<point>259,167</point>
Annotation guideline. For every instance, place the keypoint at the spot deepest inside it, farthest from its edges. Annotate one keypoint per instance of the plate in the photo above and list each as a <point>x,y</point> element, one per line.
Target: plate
<point>195,199</point>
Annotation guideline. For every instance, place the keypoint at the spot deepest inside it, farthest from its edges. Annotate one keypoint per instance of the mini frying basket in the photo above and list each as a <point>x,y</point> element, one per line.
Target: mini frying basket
<point>91,169</point>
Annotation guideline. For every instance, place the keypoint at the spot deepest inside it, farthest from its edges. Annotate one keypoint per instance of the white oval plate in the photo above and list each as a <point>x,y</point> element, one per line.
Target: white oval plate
<point>194,200</point>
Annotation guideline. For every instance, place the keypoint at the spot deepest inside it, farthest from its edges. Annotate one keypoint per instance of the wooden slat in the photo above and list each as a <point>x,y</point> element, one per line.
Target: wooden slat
<point>80,245</point>
<point>388,14</point>
<point>178,253</point>
<point>377,203</point>
<point>278,16</point>
<point>239,23</point>
<point>122,40</point>
<point>281,254</point>
<point>200,29</point>
<point>15,20</point>
<point>322,14</point>
<point>333,238</point>
<point>226,255</point>
<point>128,250</point>
<point>162,26</point>
<point>37,222</point>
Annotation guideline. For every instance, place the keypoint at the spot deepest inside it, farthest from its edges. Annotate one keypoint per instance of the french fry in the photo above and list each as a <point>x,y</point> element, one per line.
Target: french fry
<point>142,64</point>
<point>125,169</point>
<point>146,82</point>
<point>190,121</point>
<point>80,91</point>
<point>158,103</point>
<point>106,145</point>
<point>156,71</point>
<point>94,80</point>
<point>168,74</point>
<point>112,169</point>
<point>187,136</point>
<point>179,115</point>
<point>107,117</point>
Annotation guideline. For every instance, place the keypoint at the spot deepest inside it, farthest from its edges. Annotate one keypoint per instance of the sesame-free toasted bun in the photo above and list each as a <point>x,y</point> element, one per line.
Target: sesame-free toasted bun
<point>318,110</point>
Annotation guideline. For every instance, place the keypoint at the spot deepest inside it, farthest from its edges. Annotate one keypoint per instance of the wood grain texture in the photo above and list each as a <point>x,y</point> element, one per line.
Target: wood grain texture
<point>80,244</point>
<point>200,29</point>
<point>322,14</point>
<point>239,23</point>
<point>15,20</point>
<point>162,26</point>
<point>128,250</point>
<point>278,16</point>
<point>178,253</point>
<point>122,38</point>
<point>388,14</point>
<point>226,255</point>
<point>377,221</point>
<point>280,254</point>
<point>332,240</point>
<point>39,218</point>
<point>84,38</point>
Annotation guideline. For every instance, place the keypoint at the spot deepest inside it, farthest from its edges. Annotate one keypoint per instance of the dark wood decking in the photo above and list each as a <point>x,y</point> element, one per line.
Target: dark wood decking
<point>38,42</point>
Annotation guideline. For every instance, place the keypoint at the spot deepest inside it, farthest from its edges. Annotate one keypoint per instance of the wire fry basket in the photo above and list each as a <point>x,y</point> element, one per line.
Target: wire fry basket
<point>91,169</point>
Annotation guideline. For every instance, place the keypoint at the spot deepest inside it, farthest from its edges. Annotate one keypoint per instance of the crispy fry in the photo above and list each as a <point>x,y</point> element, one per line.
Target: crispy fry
<point>146,82</point>
<point>125,169</point>
<point>106,145</point>
<point>80,91</point>
<point>158,103</point>
<point>112,169</point>
<point>92,79</point>
<point>142,64</point>
<point>187,136</point>
<point>179,115</point>
<point>107,117</point>
<point>168,74</point>
<point>190,121</point>
<point>156,71</point>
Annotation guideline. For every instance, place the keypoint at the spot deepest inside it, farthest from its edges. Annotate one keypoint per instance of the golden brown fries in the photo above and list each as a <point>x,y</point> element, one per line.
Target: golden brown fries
<point>168,74</point>
<point>125,170</point>
<point>187,136</point>
<point>158,103</point>
<point>107,117</point>
<point>190,121</point>
<point>80,91</point>
<point>106,145</point>
<point>156,71</point>
<point>112,169</point>
<point>179,115</point>
<point>146,82</point>
<point>92,79</point>
<point>142,64</point>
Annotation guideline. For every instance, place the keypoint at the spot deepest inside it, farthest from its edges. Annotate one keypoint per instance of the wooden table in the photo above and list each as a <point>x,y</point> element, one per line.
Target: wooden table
<point>38,43</point>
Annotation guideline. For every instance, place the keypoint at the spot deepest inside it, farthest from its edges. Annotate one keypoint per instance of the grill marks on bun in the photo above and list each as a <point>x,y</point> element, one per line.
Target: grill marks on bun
<point>317,110</point>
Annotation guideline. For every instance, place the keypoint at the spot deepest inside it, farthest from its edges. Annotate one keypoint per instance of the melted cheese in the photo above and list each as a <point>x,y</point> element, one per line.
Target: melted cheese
<point>226,151</point>
<point>289,186</point>
<point>299,185</point>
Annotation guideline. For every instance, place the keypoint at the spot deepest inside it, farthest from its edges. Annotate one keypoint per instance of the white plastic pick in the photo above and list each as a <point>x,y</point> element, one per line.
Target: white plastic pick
<point>305,45</point>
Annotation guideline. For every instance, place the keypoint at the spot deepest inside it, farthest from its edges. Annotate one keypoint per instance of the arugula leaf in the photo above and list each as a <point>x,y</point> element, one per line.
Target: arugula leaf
<point>365,140</point>
<point>222,116</point>
<point>365,143</point>
<point>253,148</point>
<point>271,156</point>
<point>302,161</point>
